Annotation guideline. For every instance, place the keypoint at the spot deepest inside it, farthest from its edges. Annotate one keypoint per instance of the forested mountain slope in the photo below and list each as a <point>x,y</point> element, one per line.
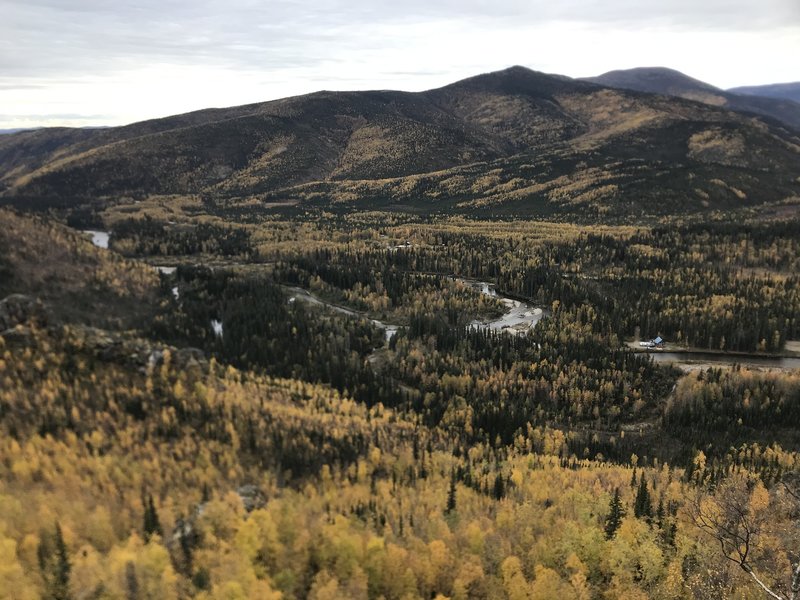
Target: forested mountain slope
<point>787,91</point>
<point>75,280</point>
<point>659,80</point>
<point>514,141</point>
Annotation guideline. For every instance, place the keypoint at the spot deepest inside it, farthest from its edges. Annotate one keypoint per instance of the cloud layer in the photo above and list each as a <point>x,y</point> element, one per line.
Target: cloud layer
<point>122,61</point>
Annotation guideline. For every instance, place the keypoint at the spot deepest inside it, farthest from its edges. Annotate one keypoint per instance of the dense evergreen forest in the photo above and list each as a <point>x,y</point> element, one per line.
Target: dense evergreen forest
<point>721,286</point>
<point>316,406</point>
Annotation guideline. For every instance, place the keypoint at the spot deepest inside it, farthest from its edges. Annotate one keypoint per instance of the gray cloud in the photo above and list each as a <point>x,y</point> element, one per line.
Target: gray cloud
<point>57,116</point>
<point>58,37</point>
<point>53,50</point>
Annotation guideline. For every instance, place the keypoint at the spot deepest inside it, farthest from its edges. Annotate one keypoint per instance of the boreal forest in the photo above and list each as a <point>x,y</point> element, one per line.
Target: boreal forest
<point>565,370</point>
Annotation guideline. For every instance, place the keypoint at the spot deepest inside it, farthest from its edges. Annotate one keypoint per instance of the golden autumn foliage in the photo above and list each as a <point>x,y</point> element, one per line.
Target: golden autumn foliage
<point>367,522</point>
<point>144,470</point>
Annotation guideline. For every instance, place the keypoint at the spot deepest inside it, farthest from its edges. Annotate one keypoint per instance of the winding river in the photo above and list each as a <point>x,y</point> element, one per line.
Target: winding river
<point>306,296</point>
<point>519,317</point>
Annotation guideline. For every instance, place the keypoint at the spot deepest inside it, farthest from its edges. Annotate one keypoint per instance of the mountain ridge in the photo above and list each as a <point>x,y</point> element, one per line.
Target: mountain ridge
<point>516,139</point>
<point>662,80</point>
<point>783,91</point>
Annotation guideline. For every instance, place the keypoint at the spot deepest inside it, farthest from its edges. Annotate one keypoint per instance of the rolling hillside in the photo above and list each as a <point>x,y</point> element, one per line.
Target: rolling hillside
<point>74,280</point>
<point>785,91</point>
<point>513,142</point>
<point>659,80</point>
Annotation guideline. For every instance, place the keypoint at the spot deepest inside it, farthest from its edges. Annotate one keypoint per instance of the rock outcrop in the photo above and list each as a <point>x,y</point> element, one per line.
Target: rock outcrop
<point>18,309</point>
<point>20,315</point>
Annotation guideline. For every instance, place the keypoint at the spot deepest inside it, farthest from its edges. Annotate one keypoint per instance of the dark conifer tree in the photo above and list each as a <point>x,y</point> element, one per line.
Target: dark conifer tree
<point>55,566</point>
<point>451,495</point>
<point>642,507</point>
<point>152,525</point>
<point>615,514</point>
<point>499,487</point>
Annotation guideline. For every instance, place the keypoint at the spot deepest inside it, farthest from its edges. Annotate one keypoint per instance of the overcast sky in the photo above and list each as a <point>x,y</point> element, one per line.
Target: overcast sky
<point>107,62</point>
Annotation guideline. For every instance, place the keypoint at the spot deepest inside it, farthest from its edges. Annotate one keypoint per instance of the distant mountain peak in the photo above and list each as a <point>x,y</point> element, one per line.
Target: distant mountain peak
<point>780,91</point>
<point>669,82</point>
<point>520,80</point>
<point>657,80</point>
<point>511,140</point>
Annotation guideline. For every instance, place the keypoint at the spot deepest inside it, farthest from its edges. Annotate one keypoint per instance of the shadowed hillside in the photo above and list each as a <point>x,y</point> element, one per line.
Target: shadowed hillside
<point>785,91</point>
<point>75,280</point>
<point>515,141</point>
<point>659,80</point>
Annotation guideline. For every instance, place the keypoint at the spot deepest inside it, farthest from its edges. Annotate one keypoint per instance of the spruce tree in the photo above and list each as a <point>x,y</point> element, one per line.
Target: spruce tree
<point>55,566</point>
<point>451,495</point>
<point>62,567</point>
<point>641,506</point>
<point>615,514</point>
<point>152,525</point>
<point>499,487</point>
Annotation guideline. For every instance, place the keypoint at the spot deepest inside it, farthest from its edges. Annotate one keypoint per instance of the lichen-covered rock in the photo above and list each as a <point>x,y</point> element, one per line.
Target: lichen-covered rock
<point>137,352</point>
<point>252,497</point>
<point>19,309</point>
<point>189,358</point>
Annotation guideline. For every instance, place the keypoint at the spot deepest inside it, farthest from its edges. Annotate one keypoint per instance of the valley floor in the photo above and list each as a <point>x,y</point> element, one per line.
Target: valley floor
<point>298,409</point>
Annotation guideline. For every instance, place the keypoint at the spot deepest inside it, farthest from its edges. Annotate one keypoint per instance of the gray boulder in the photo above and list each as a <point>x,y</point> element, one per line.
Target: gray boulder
<point>19,309</point>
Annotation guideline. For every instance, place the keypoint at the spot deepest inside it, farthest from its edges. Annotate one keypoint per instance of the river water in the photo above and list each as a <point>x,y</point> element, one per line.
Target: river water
<point>519,317</point>
<point>306,296</point>
<point>700,359</point>
<point>99,238</point>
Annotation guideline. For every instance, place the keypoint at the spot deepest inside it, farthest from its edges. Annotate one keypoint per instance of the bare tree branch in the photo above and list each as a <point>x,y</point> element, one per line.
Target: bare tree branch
<point>795,582</point>
<point>729,520</point>
<point>761,584</point>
